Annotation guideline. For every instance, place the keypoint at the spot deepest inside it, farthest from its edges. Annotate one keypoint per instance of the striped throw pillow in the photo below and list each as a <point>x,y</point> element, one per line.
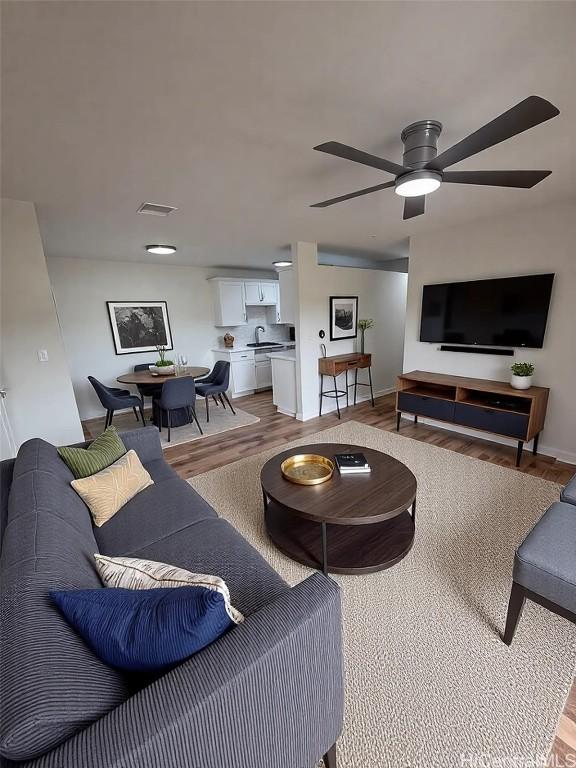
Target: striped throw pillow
<point>134,573</point>
<point>144,629</point>
<point>105,450</point>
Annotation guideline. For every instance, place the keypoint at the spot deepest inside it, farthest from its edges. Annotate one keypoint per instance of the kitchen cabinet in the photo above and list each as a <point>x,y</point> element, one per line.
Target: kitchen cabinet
<point>229,302</point>
<point>263,293</point>
<point>232,297</point>
<point>252,293</point>
<point>284,383</point>
<point>269,292</point>
<point>243,377</point>
<point>287,298</point>
<point>242,370</point>
<point>263,368</point>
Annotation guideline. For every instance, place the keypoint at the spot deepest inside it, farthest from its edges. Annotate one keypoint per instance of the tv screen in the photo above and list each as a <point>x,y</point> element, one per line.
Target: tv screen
<point>504,312</point>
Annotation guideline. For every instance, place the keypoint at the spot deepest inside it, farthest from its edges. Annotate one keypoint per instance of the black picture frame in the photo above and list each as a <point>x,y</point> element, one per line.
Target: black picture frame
<point>343,317</point>
<point>139,339</point>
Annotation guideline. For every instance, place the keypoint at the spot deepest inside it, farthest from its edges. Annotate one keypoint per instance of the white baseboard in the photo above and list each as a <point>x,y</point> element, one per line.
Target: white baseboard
<point>565,456</point>
<point>329,404</point>
<point>546,450</point>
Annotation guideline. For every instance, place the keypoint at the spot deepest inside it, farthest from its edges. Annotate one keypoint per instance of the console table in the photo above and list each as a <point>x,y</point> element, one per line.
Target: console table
<point>488,406</point>
<point>335,365</point>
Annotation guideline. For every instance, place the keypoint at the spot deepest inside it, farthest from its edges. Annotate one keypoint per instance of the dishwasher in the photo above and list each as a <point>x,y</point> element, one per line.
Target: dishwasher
<point>263,366</point>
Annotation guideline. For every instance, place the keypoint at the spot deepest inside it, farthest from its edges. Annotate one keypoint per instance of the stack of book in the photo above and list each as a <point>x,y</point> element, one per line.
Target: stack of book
<point>351,463</point>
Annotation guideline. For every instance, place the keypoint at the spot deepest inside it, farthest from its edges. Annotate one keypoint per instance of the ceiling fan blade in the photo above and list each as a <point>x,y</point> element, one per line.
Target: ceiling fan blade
<point>414,206</point>
<point>357,156</point>
<point>528,113</point>
<point>359,193</point>
<point>518,179</point>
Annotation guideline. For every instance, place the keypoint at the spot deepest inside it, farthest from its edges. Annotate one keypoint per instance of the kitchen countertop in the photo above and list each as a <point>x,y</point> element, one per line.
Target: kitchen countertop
<point>244,348</point>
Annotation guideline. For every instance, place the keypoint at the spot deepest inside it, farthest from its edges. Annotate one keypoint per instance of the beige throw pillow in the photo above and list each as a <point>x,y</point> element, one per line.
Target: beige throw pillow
<point>134,573</point>
<point>108,490</point>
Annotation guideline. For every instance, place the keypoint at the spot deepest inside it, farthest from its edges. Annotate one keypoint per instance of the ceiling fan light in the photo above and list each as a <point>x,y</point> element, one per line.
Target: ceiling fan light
<point>161,250</point>
<point>417,183</point>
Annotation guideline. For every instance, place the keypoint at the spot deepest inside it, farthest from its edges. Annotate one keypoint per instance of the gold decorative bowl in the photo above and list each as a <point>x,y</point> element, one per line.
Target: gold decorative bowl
<point>307,469</point>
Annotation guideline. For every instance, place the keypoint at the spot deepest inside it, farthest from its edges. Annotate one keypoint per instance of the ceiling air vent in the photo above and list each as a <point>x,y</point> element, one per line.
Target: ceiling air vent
<point>154,209</point>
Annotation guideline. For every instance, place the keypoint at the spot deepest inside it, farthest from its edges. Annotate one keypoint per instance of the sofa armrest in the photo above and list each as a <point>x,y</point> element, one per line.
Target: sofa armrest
<point>270,692</point>
<point>568,493</point>
<point>6,472</point>
<point>145,441</point>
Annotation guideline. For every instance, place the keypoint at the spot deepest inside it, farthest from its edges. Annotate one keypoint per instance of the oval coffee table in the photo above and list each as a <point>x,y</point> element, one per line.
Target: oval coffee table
<point>356,523</point>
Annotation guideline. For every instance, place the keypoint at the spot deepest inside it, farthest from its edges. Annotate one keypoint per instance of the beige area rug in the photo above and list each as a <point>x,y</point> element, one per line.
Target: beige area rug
<point>220,421</point>
<point>429,683</point>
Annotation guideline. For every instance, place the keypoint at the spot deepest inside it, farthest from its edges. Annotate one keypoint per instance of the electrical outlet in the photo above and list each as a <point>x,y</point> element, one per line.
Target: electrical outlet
<point>43,355</point>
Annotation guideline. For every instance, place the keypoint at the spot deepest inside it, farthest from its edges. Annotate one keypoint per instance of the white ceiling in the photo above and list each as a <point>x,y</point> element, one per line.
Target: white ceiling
<point>214,107</point>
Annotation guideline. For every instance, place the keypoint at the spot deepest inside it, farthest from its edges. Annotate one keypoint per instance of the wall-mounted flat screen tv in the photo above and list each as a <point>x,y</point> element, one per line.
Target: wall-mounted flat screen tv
<point>504,312</point>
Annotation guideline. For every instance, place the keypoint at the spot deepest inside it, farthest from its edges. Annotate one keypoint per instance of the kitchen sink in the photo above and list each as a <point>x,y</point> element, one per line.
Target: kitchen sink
<point>265,344</point>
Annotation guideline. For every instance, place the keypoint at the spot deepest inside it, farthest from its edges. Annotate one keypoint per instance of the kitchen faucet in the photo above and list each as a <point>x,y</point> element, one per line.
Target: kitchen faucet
<point>256,332</point>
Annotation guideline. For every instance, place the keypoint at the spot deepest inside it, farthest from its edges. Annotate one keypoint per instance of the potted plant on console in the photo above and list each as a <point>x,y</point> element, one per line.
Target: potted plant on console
<point>521,375</point>
<point>364,326</point>
<point>163,367</point>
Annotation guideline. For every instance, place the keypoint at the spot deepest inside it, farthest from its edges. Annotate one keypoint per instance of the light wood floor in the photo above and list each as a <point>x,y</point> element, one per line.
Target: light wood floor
<point>275,430</point>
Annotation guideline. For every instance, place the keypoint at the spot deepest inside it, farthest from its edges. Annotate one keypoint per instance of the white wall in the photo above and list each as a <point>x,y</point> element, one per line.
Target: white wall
<point>83,286</point>
<point>40,400</point>
<point>530,242</point>
<point>381,296</point>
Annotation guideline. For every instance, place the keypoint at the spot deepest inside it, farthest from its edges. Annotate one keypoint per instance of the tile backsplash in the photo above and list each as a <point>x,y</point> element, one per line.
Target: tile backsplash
<point>245,334</point>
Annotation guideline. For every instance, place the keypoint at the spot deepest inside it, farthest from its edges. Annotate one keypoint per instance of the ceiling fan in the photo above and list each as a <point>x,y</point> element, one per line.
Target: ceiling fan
<point>423,170</point>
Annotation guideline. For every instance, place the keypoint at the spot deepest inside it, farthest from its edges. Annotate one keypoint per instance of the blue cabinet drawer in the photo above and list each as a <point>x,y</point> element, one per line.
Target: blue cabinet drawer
<point>509,424</point>
<point>421,405</point>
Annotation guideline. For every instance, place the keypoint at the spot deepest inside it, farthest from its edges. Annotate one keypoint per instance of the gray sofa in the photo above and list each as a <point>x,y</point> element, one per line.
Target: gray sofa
<point>267,693</point>
<point>545,564</point>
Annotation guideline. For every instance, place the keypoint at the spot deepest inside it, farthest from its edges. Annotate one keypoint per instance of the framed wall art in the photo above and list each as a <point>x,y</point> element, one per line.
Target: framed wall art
<point>343,317</point>
<point>139,326</point>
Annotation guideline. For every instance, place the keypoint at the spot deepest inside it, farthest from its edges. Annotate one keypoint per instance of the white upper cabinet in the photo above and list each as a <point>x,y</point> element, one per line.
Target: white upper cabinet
<point>286,309</point>
<point>264,293</point>
<point>269,293</point>
<point>233,296</point>
<point>230,308</point>
<point>252,293</point>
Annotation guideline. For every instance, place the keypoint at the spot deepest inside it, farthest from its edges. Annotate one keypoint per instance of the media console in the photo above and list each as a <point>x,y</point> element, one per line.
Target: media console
<point>489,406</point>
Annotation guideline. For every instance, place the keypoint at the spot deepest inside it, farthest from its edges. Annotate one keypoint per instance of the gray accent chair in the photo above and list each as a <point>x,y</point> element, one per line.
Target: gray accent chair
<point>545,564</point>
<point>177,394</point>
<point>147,390</point>
<point>116,399</point>
<point>216,385</point>
<point>267,693</point>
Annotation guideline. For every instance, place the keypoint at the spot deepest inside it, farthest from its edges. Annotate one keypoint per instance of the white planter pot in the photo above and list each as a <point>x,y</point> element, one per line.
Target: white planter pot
<point>163,370</point>
<point>520,382</point>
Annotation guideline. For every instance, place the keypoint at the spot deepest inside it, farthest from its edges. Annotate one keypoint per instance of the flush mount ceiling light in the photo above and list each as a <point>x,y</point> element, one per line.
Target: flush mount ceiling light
<point>417,183</point>
<point>161,250</point>
<point>282,263</point>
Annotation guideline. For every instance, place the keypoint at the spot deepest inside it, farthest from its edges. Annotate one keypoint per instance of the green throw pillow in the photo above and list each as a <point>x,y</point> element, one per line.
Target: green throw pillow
<point>105,450</point>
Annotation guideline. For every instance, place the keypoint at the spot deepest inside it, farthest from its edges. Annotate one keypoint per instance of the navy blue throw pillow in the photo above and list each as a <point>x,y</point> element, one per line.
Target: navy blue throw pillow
<point>145,629</point>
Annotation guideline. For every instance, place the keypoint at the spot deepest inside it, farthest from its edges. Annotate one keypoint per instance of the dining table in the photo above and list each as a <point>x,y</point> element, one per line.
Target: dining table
<point>179,416</point>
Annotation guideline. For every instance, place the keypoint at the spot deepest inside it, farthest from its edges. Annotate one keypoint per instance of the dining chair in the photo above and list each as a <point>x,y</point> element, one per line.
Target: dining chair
<point>215,384</point>
<point>177,394</point>
<point>116,399</point>
<point>147,390</point>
